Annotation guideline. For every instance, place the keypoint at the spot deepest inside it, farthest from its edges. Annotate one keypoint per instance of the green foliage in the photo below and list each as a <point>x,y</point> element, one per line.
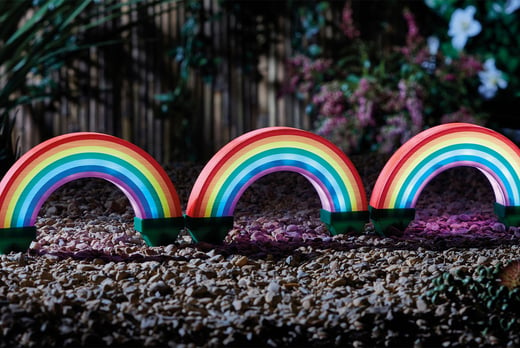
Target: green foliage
<point>312,19</point>
<point>382,45</point>
<point>39,38</point>
<point>490,307</point>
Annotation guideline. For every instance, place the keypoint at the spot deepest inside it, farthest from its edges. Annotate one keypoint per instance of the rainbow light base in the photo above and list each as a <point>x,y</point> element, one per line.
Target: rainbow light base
<point>387,221</point>
<point>162,231</point>
<point>508,215</point>
<point>16,238</point>
<point>344,222</point>
<point>209,229</point>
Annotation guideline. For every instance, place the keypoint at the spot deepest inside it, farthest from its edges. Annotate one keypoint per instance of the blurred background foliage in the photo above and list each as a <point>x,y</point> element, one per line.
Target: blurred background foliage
<point>39,38</point>
<point>389,69</point>
<point>369,74</point>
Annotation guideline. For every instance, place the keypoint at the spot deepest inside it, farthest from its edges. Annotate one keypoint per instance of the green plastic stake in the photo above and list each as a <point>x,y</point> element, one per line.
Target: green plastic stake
<point>386,220</point>
<point>344,222</point>
<point>211,230</point>
<point>16,238</point>
<point>508,215</point>
<point>161,231</point>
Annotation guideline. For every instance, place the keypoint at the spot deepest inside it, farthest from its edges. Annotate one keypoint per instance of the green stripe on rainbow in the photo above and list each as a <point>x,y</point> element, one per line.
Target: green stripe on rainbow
<point>59,160</point>
<point>255,154</point>
<point>439,148</point>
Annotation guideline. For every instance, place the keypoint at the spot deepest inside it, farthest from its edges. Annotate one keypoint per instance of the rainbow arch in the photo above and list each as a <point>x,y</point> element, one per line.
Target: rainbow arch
<point>62,159</point>
<point>257,153</point>
<point>435,150</point>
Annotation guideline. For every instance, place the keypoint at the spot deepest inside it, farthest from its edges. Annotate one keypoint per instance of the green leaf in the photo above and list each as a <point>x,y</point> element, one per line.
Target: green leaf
<point>80,8</point>
<point>163,98</point>
<point>322,6</point>
<point>29,25</point>
<point>314,50</point>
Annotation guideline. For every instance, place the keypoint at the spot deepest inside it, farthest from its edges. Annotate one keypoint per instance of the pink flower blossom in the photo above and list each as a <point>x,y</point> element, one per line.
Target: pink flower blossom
<point>402,90</point>
<point>362,89</point>
<point>412,36</point>
<point>469,65</point>
<point>293,83</point>
<point>331,102</point>
<point>393,133</point>
<point>330,124</point>
<point>305,87</point>
<point>449,77</point>
<point>415,109</point>
<point>365,112</point>
<point>303,72</point>
<point>364,103</point>
<point>347,24</point>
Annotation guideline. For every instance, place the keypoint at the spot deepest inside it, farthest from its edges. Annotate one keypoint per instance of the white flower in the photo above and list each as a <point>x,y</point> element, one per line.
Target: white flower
<point>463,26</point>
<point>433,45</point>
<point>491,79</point>
<point>511,6</point>
<point>507,8</point>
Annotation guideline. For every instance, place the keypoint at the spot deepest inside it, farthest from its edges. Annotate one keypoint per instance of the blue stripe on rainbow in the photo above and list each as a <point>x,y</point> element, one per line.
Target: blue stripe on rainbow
<point>482,158</point>
<point>33,199</point>
<point>333,193</point>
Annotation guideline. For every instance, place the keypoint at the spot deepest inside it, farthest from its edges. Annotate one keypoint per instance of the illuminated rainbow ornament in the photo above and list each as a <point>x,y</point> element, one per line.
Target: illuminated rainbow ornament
<point>209,213</point>
<point>435,150</point>
<point>51,164</point>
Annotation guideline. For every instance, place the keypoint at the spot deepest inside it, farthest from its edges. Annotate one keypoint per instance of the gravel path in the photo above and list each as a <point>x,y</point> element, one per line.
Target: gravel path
<point>279,279</point>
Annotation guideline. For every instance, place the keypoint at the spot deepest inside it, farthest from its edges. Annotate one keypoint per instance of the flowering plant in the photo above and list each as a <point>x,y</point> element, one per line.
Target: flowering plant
<point>375,98</point>
<point>488,29</point>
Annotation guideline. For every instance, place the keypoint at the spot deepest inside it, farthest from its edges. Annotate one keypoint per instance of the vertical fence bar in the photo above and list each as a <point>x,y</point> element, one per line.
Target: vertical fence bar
<point>171,32</point>
<point>283,116</point>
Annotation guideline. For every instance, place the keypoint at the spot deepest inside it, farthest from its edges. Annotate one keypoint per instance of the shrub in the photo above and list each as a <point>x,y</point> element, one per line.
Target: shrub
<point>375,97</point>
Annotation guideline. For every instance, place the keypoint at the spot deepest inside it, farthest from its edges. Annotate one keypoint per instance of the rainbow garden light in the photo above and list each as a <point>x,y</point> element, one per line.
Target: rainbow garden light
<point>53,163</point>
<point>435,150</point>
<point>209,214</point>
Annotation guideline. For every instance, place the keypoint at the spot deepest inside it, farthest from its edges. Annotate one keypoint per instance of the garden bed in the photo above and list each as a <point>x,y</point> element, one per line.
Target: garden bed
<point>279,279</point>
